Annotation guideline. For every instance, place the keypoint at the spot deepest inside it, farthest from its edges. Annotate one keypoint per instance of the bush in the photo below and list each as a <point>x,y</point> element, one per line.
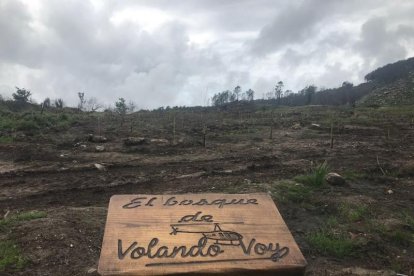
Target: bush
<point>63,117</point>
<point>26,125</point>
<point>32,123</point>
<point>7,123</point>
<point>316,177</point>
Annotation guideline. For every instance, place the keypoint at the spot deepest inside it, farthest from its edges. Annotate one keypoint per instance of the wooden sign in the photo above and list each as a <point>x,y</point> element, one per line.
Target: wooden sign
<point>198,234</point>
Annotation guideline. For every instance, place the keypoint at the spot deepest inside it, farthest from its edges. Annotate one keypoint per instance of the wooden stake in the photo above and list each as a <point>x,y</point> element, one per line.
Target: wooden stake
<point>182,122</point>
<point>271,132</point>
<point>174,129</point>
<point>388,134</point>
<point>332,138</point>
<point>204,135</point>
<point>379,165</point>
<point>99,126</point>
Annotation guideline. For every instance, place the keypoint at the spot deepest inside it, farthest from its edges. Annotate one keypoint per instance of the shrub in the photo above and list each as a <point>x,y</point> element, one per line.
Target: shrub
<point>27,125</point>
<point>316,177</point>
<point>7,123</point>
<point>63,117</point>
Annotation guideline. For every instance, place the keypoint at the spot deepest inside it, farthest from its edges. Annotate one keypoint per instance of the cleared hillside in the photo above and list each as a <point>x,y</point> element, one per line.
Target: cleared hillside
<point>399,92</point>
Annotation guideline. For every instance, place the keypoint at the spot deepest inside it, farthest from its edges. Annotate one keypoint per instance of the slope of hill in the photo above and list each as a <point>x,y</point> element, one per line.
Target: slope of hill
<point>399,92</point>
<point>392,72</point>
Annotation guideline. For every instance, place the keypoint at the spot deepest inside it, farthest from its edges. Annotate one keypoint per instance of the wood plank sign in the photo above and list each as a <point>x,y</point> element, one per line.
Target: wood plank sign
<point>197,234</point>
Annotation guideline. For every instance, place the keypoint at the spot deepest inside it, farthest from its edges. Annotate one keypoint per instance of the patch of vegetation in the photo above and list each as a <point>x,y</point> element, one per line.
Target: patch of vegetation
<point>10,256</point>
<point>242,187</point>
<point>397,236</point>
<point>353,175</point>
<point>332,222</point>
<point>328,242</point>
<point>353,212</point>
<point>290,191</point>
<point>316,177</point>
<point>6,139</point>
<point>34,122</point>
<point>27,125</point>
<point>408,219</point>
<point>24,216</point>
<point>30,215</point>
<point>400,237</point>
<point>6,123</point>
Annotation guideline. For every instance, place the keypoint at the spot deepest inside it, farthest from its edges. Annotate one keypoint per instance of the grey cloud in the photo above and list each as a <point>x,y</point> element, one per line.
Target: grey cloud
<point>379,43</point>
<point>16,35</point>
<point>294,24</point>
<point>234,15</point>
<point>89,54</point>
<point>71,46</point>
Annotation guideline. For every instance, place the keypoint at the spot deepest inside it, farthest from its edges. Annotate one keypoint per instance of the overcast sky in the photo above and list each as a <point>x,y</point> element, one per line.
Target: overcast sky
<point>181,52</point>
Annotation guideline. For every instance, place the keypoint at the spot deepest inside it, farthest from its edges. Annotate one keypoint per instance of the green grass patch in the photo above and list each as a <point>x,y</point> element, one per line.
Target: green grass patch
<point>290,191</point>
<point>34,122</point>
<point>329,243</point>
<point>316,177</point>
<point>402,238</point>
<point>397,236</point>
<point>30,215</point>
<point>408,219</point>
<point>10,256</point>
<point>332,222</point>
<point>243,187</point>
<point>353,212</point>
<point>24,216</point>
<point>6,139</point>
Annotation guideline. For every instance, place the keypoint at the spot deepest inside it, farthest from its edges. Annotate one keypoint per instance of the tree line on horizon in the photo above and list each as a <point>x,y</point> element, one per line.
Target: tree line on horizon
<point>311,94</point>
<point>346,94</point>
<point>22,98</point>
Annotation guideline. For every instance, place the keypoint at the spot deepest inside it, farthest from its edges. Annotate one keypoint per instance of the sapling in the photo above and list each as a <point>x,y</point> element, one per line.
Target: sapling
<point>174,128</point>
<point>204,135</point>
<point>99,126</point>
<point>332,137</point>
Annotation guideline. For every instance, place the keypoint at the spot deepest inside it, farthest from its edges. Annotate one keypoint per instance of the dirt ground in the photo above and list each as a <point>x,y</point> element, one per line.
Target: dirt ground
<point>372,149</point>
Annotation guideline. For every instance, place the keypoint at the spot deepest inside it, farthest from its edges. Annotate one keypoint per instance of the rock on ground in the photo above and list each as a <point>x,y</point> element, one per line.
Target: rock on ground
<point>100,148</point>
<point>100,167</point>
<point>159,141</point>
<point>134,141</point>
<point>96,138</point>
<point>335,179</point>
<point>196,174</point>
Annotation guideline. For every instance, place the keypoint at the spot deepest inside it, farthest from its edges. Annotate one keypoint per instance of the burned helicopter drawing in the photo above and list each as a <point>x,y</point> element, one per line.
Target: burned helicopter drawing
<point>218,235</point>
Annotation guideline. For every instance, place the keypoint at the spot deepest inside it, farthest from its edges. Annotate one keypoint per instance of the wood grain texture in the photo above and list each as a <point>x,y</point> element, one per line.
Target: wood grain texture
<point>197,234</point>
